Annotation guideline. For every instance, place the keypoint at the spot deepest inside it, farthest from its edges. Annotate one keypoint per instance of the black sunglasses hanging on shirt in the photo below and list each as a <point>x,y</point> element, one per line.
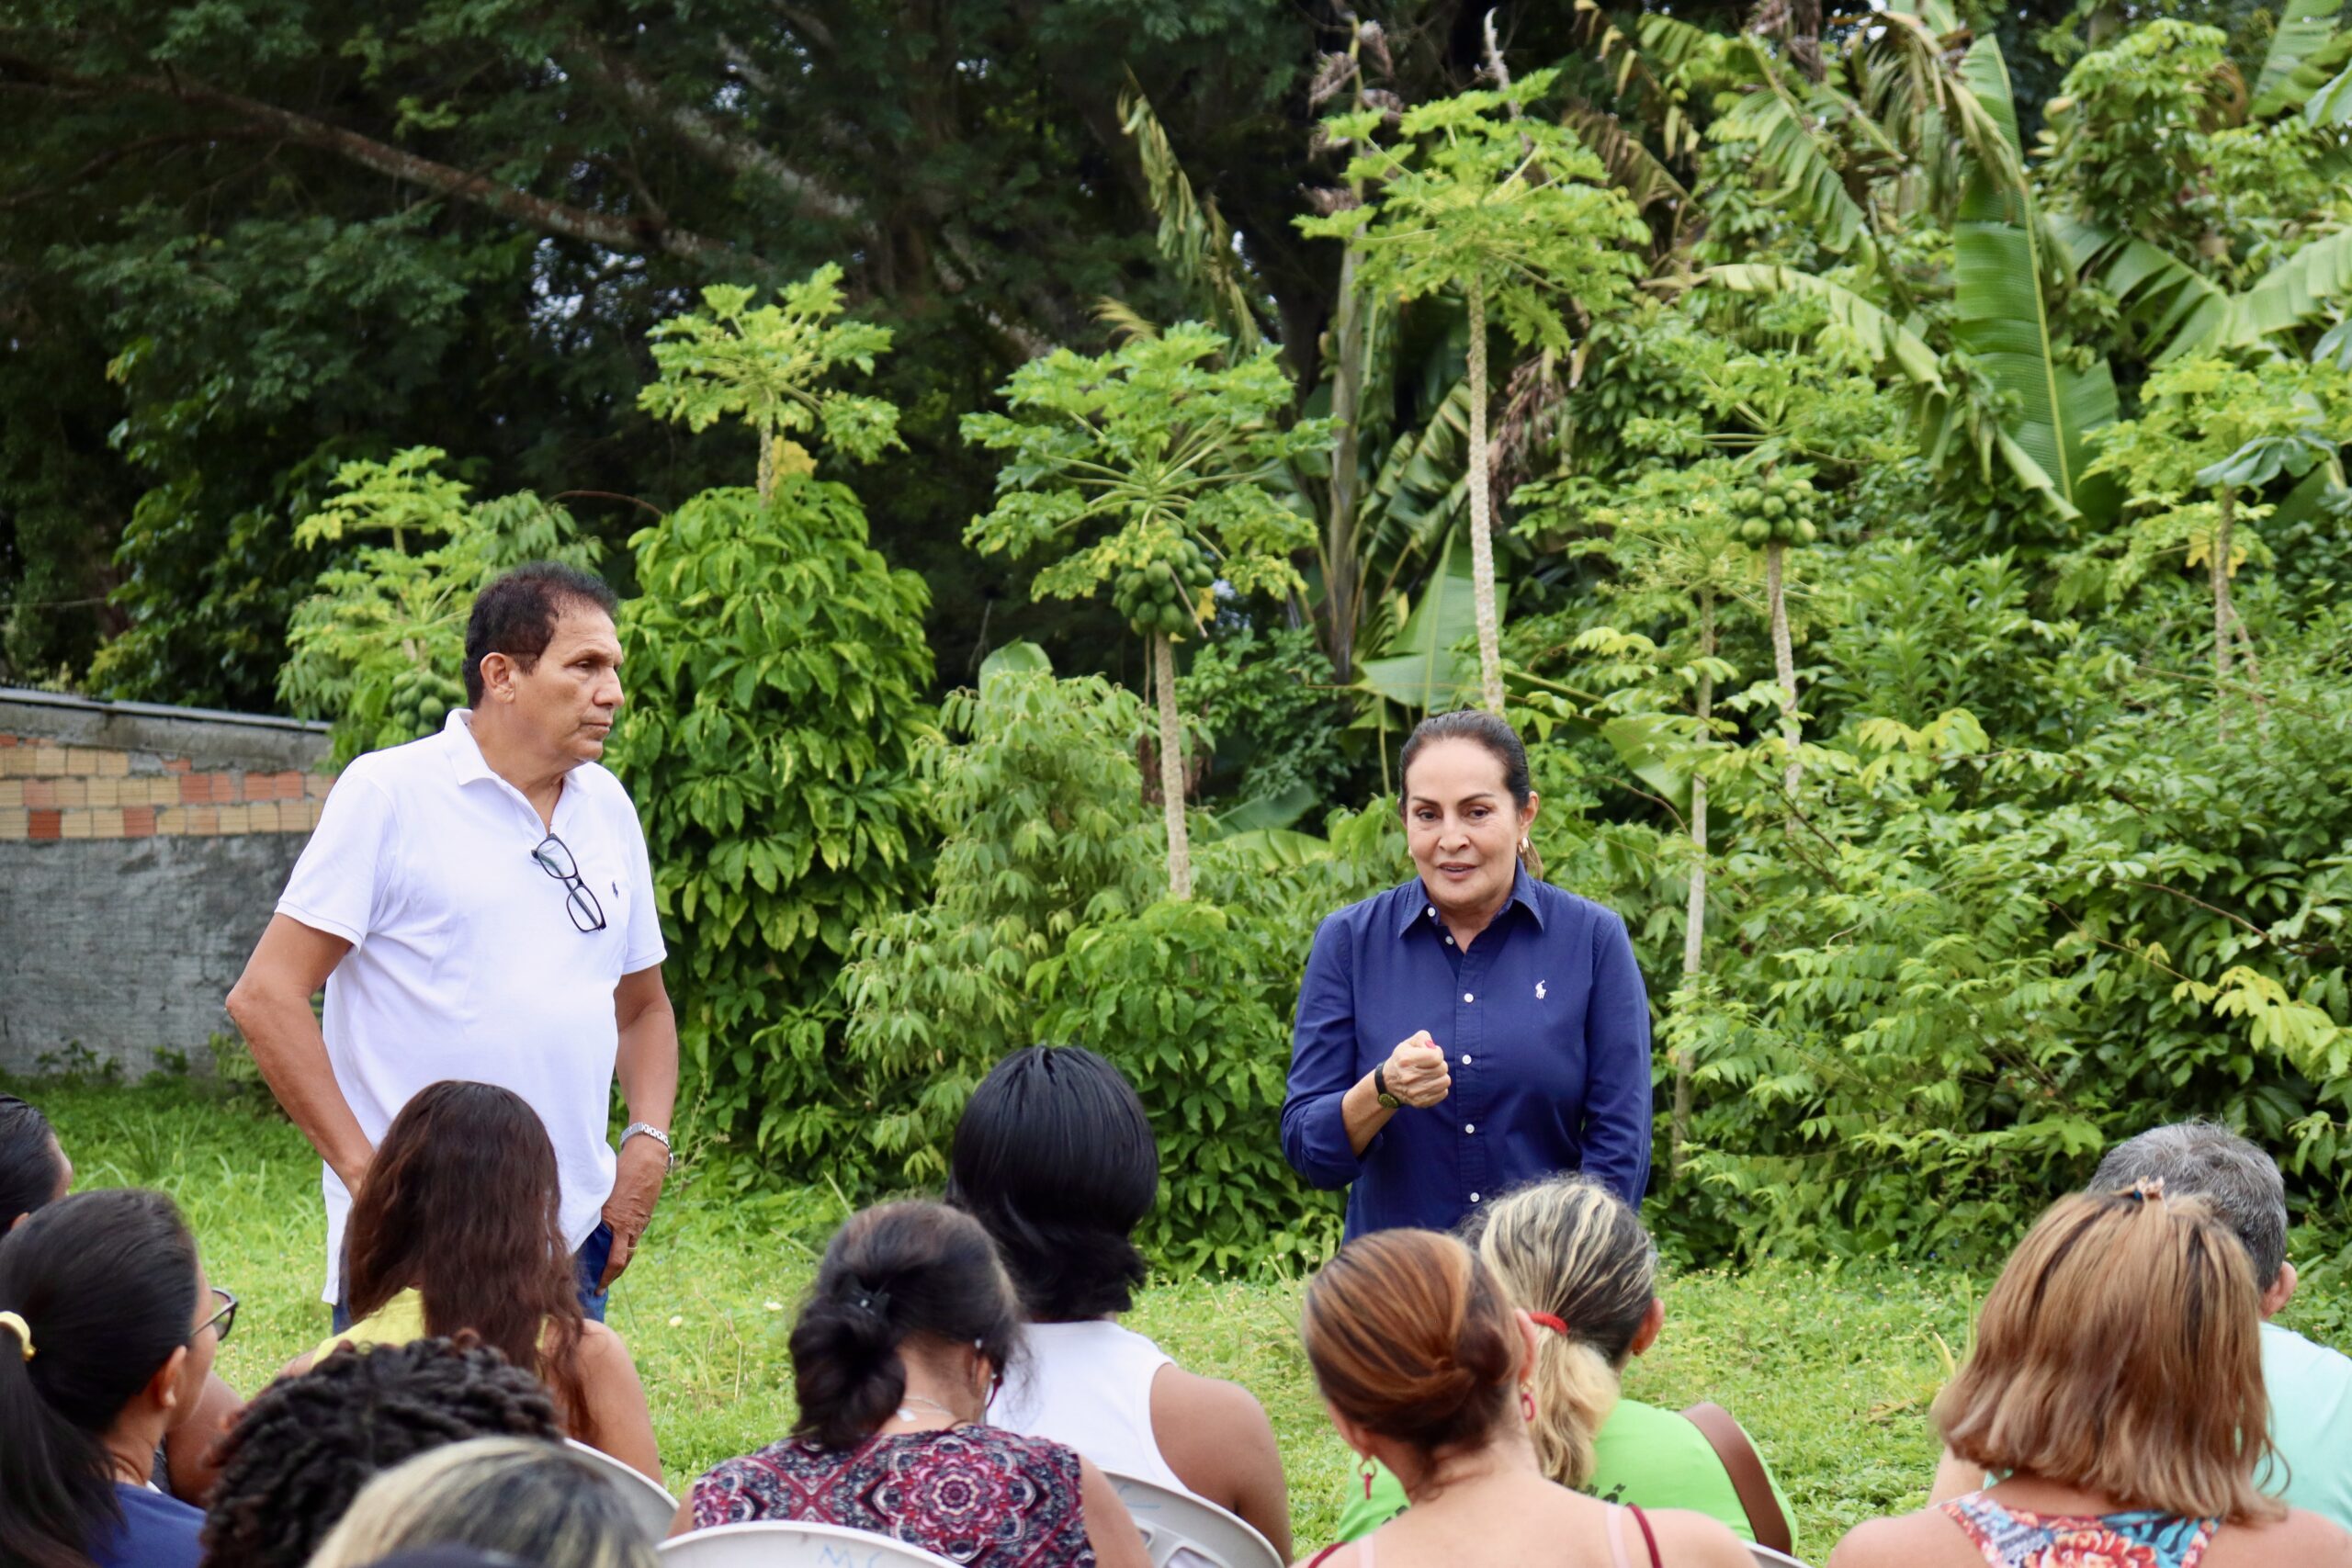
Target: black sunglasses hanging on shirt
<point>555,858</point>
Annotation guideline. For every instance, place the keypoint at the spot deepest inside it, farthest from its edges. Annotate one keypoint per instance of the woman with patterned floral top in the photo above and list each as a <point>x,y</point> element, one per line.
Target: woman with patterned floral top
<point>2117,1385</point>
<point>901,1342</point>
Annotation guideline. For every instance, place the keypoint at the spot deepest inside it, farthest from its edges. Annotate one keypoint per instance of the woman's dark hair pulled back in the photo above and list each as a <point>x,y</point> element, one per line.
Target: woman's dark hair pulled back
<point>1410,1336</point>
<point>1479,726</point>
<point>105,1283</point>
<point>1056,1158</point>
<point>462,1201</point>
<point>892,1274</point>
<point>28,1167</point>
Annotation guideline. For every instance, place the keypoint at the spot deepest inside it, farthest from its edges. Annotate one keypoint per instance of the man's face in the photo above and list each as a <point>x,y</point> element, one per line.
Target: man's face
<point>567,699</point>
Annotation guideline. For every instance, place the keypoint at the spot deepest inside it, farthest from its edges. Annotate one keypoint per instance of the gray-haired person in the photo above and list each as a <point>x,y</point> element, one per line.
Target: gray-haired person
<point>2309,1385</point>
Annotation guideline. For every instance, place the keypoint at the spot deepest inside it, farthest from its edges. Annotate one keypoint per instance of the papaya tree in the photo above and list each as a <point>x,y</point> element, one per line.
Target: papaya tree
<point>1516,213</point>
<point>779,670</point>
<point>2209,437</point>
<point>769,365</point>
<point>1152,469</point>
<point>378,648</point>
<point>1770,516</point>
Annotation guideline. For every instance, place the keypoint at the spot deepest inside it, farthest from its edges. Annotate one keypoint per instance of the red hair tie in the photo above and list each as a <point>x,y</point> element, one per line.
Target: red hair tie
<point>1548,1321</point>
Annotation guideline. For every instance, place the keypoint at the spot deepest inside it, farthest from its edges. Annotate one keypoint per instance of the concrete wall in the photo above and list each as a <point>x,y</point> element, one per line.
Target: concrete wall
<point>141,849</point>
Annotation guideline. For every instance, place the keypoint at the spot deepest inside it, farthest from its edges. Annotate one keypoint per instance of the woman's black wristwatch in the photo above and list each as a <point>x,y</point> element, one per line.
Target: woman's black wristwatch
<point>1380,1088</point>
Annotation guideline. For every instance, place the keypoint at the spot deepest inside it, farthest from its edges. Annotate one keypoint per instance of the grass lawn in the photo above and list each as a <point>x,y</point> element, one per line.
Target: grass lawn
<point>1831,1370</point>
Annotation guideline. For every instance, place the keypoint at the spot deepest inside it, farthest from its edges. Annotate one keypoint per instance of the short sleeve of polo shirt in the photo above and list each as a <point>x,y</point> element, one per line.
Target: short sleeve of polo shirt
<point>646,947</point>
<point>337,885</point>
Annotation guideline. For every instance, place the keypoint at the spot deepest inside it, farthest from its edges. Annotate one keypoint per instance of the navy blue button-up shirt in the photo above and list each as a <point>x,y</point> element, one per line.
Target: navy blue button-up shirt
<point>1546,1027</point>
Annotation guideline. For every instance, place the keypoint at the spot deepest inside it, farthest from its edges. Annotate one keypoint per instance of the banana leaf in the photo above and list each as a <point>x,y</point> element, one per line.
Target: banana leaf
<point>2303,49</point>
<point>2002,317</point>
<point>1424,668</point>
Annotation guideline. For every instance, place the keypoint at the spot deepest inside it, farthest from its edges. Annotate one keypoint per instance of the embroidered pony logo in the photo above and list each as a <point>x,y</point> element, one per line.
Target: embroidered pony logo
<point>1539,990</point>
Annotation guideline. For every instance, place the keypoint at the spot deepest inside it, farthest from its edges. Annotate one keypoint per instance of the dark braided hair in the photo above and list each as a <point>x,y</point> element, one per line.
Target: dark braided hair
<point>305,1447</point>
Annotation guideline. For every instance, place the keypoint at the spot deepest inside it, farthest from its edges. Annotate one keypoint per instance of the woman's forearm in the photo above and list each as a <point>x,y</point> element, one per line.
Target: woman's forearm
<point>1362,1114</point>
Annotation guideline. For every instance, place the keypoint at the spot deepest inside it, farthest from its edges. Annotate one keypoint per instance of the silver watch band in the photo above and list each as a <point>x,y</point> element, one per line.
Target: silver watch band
<point>648,1129</point>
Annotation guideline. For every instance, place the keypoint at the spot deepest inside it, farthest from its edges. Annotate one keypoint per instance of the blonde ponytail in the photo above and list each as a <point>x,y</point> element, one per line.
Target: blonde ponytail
<point>1570,1249</point>
<point>1576,1388</point>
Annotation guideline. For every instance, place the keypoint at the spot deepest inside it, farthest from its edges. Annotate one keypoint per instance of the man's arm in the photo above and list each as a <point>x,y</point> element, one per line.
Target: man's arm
<point>648,1069</point>
<point>271,1003</point>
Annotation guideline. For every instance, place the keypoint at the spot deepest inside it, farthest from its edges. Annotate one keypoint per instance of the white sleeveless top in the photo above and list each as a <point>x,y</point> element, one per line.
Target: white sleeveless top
<point>1087,1386</point>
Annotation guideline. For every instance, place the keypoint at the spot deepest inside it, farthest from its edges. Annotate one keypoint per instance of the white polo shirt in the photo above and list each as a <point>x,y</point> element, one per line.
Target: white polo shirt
<point>464,963</point>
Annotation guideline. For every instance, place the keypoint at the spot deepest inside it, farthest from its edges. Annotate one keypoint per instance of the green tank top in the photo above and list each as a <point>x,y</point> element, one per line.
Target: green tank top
<point>1642,1454</point>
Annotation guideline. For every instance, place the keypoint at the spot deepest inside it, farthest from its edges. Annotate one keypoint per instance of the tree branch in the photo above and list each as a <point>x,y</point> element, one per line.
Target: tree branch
<point>737,153</point>
<point>589,227</point>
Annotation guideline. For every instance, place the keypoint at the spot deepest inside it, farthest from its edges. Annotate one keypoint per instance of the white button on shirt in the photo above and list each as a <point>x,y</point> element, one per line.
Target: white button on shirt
<point>464,963</point>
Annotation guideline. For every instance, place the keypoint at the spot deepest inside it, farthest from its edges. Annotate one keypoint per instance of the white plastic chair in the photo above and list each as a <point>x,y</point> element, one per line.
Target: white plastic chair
<point>1766,1558</point>
<point>650,1507</point>
<point>788,1543</point>
<point>1180,1530</point>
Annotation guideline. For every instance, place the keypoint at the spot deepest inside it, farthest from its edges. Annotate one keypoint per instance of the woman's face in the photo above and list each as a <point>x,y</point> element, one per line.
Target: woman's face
<point>1462,827</point>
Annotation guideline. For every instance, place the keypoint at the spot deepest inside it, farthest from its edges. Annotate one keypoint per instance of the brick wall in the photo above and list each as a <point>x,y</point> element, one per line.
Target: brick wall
<point>51,791</point>
<point>142,849</point>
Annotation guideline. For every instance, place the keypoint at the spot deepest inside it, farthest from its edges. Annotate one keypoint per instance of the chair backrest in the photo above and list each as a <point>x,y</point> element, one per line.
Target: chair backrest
<point>1766,1557</point>
<point>1180,1530</point>
<point>782,1543</point>
<point>650,1504</point>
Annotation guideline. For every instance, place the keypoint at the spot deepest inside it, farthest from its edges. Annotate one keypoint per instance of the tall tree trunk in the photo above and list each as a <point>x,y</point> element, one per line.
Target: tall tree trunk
<point>1171,766</point>
<point>1482,523</point>
<point>1694,914</point>
<point>1784,662</point>
<point>2223,613</point>
<point>1340,605</point>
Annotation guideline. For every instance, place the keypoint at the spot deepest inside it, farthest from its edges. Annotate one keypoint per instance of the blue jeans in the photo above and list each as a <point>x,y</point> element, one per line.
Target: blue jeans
<point>594,1254</point>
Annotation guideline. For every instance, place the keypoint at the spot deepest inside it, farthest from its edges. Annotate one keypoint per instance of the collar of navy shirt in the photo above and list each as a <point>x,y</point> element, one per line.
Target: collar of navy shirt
<point>1420,906</point>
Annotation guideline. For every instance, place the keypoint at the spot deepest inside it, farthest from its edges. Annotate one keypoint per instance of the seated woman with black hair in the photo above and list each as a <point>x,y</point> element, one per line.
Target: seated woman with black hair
<point>35,1173</point>
<point>902,1339</point>
<point>1056,1161</point>
<point>107,1330</point>
<point>458,1228</point>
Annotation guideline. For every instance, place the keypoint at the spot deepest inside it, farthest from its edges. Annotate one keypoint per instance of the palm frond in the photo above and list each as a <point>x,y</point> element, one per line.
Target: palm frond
<point>1193,237</point>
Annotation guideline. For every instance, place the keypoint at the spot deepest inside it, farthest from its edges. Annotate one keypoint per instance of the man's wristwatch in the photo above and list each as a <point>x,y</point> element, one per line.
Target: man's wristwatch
<point>649,1129</point>
<point>1380,1088</point>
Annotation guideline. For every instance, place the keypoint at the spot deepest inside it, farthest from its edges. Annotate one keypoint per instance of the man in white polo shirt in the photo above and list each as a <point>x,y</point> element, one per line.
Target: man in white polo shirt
<point>479,905</point>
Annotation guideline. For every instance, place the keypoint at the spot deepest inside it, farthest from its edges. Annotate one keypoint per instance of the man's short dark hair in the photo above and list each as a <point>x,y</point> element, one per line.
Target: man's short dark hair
<point>1055,1157</point>
<point>305,1445</point>
<point>517,615</point>
<point>2205,1160</point>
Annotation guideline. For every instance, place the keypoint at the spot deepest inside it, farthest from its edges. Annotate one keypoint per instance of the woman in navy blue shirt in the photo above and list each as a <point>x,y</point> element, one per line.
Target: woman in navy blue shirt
<point>107,1332</point>
<point>1476,1028</point>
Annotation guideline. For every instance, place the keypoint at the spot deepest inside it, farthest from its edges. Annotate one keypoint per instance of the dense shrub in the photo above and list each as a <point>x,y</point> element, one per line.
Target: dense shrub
<point>776,665</point>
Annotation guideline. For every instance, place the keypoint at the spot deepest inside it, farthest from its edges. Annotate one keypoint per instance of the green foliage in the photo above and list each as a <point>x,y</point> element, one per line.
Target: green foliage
<point>776,666</point>
<point>1193,1000</point>
<point>1042,927</point>
<point>768,365</point>
<point>1265,704</point>
<point>380,646</point>
<point>1039,806</point>
<point>1167,450</point>
<point>1473,192</point>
